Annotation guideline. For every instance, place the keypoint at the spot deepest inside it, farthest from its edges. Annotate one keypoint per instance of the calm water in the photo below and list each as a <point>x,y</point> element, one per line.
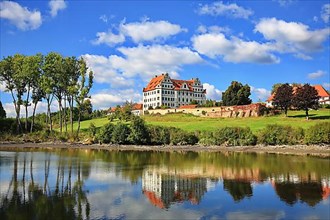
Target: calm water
<point>70,184</point>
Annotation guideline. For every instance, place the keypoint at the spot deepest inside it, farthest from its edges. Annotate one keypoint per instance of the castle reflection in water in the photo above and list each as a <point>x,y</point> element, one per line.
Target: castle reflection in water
<point>163,187</point>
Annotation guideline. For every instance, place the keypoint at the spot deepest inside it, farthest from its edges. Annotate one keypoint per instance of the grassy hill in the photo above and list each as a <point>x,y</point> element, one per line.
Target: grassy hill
<point>192,123</point>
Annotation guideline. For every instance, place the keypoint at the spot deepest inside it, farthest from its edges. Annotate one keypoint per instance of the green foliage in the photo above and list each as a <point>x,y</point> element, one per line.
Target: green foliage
<point>92,130</point>
<point>275,87</point>
<point>120,134</point>
<point>207,138</point>
<point>279,135</point>
<point>233,136</point>
<point>159,135</point>
<point>139,132</point>
<point>2,111</point>
<point>180,137</point>
<point>236,94</point>
<point>318,134</point>
<point>105,133</point>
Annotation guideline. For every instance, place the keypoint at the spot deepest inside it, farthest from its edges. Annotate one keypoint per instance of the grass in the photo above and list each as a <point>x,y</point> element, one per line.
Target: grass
<point>192,123</point>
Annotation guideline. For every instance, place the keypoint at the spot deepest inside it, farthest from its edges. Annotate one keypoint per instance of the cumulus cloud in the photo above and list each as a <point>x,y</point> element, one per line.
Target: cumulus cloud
<point>109,38</point>
<point>147,61</point>
<point>139,32</point>
<point>292,36</point>
<point>260,93</point>
<point>212,92</point>
<point>21,17</point>
<point>104,72</point>
<point>325,13</point>
<point>41,108</point>
<point>316,74</point>
<point>148,30</point>
<point>55,6</point>
<point>222,9</point>
<point>106,99</point>
<point>233,50</point>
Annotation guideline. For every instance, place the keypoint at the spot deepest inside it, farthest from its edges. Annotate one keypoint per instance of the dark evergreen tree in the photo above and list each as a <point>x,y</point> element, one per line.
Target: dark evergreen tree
<point>306,97</point>
<point>2,111</point>
<point>236,94</point>
<point>283,97</point>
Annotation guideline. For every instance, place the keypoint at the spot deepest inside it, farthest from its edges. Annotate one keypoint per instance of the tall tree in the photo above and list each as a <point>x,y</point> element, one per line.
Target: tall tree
<point>306,97</point>
<point>83,87</point>
<point>275,87</point>
<point>2,111</point>
<point>236,94</point>
<point>37,92</point>
<point>283,97</point>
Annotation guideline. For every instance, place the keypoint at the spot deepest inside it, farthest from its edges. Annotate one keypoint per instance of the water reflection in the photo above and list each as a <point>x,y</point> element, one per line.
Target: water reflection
<point>75,184</point>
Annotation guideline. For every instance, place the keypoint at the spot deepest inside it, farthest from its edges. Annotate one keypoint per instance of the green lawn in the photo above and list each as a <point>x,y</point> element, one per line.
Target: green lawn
<point>193,123</point>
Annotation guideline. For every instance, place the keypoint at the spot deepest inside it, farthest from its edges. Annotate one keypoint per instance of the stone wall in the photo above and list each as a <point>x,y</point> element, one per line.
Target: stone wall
<point>241,111</point>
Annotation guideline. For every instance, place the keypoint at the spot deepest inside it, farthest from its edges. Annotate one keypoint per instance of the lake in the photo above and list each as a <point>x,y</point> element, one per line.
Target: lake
<point>96,184</point>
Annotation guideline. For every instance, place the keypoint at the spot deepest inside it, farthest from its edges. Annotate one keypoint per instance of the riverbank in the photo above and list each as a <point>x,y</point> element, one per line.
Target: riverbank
<point>303,150</point>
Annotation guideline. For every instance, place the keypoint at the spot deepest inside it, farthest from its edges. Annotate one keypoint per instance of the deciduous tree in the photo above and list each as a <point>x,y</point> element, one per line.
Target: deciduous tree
<point>236,94</point>
<point>283,97</point>
<point>306,97</point>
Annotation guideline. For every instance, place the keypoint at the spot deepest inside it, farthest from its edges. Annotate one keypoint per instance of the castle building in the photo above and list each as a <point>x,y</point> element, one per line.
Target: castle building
<point>173,93</point>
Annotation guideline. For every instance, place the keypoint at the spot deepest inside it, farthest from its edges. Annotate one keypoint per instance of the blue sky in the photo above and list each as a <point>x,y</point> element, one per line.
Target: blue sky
<point>126,43</point>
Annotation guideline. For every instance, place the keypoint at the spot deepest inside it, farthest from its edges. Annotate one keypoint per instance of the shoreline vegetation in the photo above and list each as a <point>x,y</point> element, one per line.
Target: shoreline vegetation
<point>299,150</point>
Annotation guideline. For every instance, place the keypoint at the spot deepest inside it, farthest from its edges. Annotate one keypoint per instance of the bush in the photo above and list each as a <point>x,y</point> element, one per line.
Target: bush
<point>92,130</point>
<point>206,138</point>
<point>234,136</point>
<point>105,133</point>
<point>279,135</point>
<point>180,137</point>
<point>159,135</point>
<point>139,132</point>
<point>318,134</point>
<point>120,134</point>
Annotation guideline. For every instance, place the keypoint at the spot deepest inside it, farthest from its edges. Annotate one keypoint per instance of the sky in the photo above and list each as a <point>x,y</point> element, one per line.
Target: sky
<point>126,43</point>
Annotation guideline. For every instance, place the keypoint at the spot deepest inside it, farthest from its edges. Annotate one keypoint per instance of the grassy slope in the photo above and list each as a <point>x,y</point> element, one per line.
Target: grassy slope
<point>192,123</point>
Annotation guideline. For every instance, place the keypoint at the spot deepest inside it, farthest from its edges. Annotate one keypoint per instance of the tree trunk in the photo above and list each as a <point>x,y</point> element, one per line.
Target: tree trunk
<point>286,112</point>
<point>71,113</point>
<point>64,116</point>
<point>33,115</point>
<point>60,112</point>
<point>79,115</point>
<point>307,116</point>
<point>49,114</point>
<point>26,110</point>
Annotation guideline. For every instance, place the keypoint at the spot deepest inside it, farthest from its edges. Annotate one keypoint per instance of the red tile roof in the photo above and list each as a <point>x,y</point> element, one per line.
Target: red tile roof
<point>178,83</point>
<point>137,106</point>
<point>321,91</point>
<point>154,199</point>
<point>153,83</point>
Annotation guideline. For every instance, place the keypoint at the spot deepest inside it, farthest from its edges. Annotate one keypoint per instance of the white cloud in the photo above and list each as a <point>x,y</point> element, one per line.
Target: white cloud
<point>260,93</point>
<point>292,36</point>
<point>221,9</point>
<point>147,61</point>
<point>21,17</point>
<point>234,50</point>
<point>2,86</point>
<point>285,3</point>
<point>109,38</point>
<point>106,99</point>
<point>326,85</point>
<point>104,18</point>
<point>316,74</point>
<point>41,108</point>
<point>55,6</point>
<point>325,13</point>
<point>104,72</point>
<point>212,92</point>
<point>148,31</point>
<point>213,29</point>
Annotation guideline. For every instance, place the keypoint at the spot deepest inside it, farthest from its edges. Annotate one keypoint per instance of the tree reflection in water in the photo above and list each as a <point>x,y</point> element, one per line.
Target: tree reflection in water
<point>66,201</point>
<point>166,178</point>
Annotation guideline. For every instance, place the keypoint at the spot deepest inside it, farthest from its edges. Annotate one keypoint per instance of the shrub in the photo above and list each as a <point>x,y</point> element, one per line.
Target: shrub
<point>159,135</point>
<point>180,137</point>
<point>233,136</point>
<point>318,134</point>
<point>279,134</point>
<point>105,133</point>
<point>206,138</point>
<point>92,130</point>
<point>120,134</point>
<point>139,132</point>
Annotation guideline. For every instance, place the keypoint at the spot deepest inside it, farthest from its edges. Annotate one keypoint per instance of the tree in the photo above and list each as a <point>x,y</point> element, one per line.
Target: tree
<point>283,97</point>
<point>236,94</point>
<point>139,132</point>
<point>275,87</point>
<point>306,97</point>
<point>2,111</point>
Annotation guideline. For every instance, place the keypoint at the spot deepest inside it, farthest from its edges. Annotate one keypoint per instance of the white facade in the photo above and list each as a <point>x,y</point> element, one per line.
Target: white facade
<point>164,91</point>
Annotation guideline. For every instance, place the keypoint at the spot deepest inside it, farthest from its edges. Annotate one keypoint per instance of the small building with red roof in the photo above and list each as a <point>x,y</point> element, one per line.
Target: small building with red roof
<point>322,93</point>
<point>173,93</point>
